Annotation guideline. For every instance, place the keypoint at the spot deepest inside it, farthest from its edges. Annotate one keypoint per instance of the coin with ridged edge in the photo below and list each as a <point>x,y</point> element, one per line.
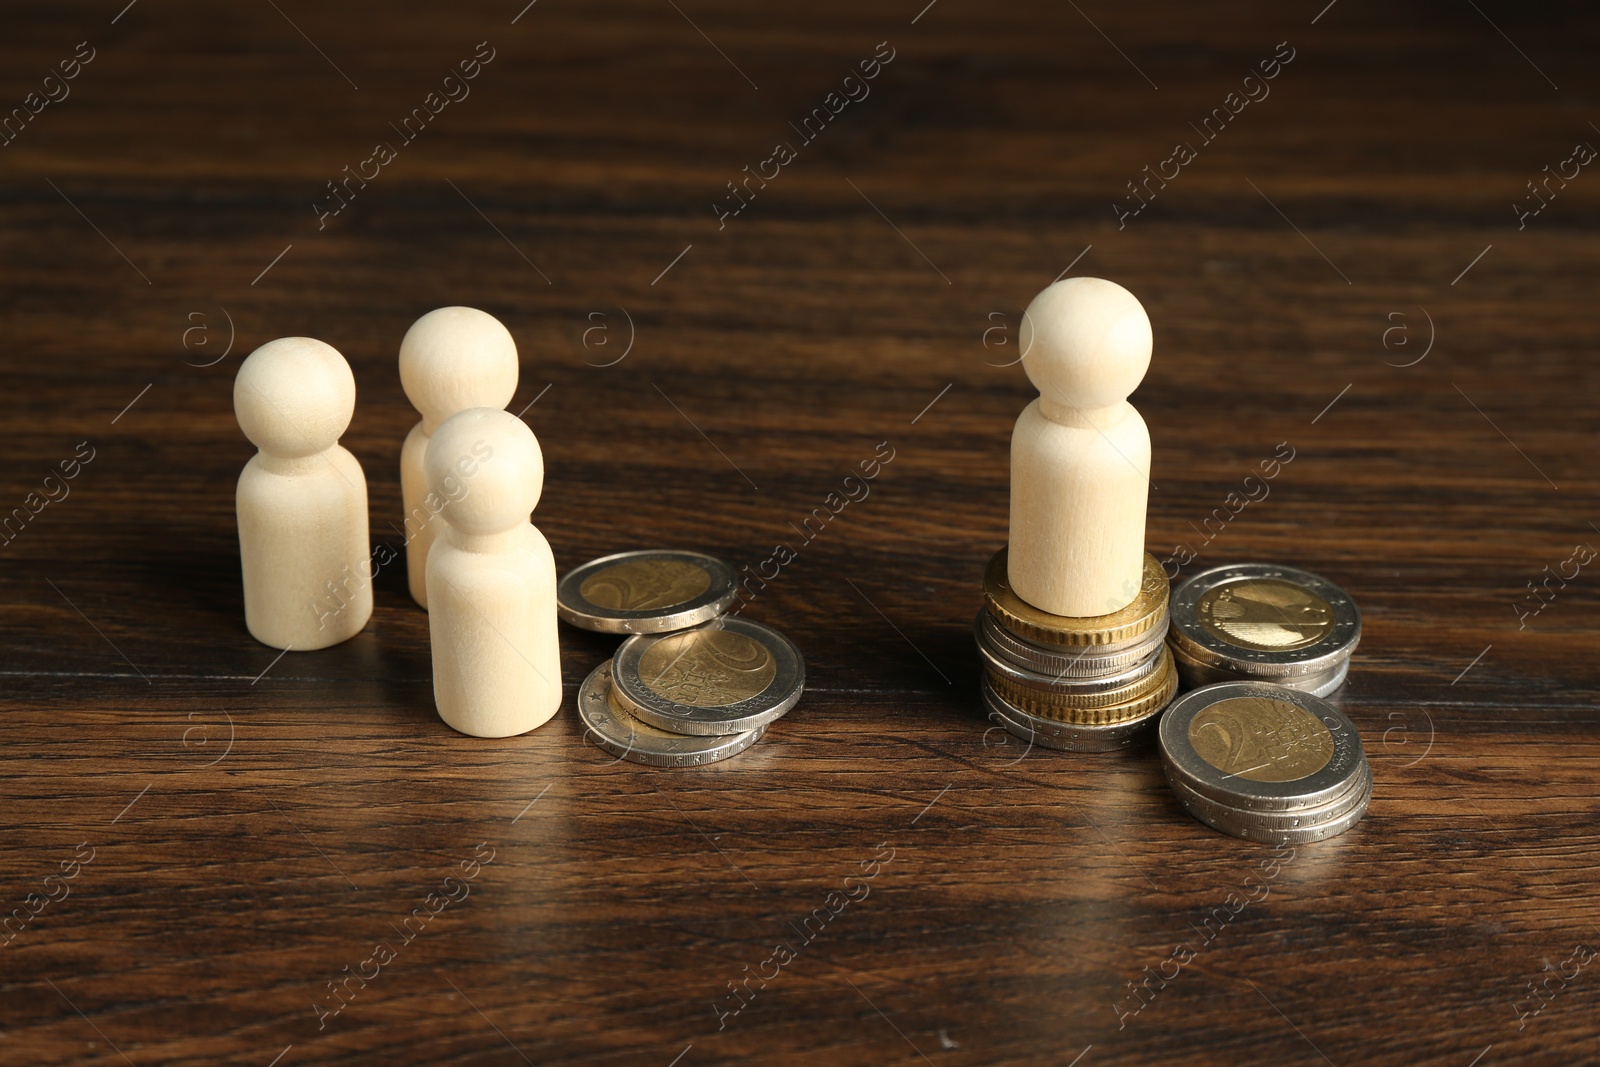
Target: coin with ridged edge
<point>1099,709</point>
<point>1120,679</point>
<point>726,676</point>
<point>1146,611</point>
<point>1067,737</point>
<point>1196,674</point>
<point>646,592</point>
<point>1085,661</point>
<point>1265,620</point>
<point>1231,819</point>
<point>620,734</point>
<point>1228,821</point>
<point>1260,746</point>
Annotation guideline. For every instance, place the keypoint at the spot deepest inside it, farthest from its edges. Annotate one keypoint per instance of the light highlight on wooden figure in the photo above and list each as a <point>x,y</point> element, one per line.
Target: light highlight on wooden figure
<point>1080,454</point>
<point>302,499</point>
<point>451,359</point>
<point>491,578</point>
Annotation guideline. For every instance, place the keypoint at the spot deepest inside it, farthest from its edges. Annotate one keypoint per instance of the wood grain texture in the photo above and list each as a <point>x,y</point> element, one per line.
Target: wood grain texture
<point>256,826</point>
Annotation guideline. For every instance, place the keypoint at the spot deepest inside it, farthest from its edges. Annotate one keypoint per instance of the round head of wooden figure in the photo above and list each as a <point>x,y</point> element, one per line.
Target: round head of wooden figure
<point>294,397</point>
<point>487,466</point>
<point>457,358</point>
<point>1085,343</point>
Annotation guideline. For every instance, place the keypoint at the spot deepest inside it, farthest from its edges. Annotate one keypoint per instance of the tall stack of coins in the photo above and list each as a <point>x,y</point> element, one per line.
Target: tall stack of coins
<point>691,686</point>
<point>1265,762</point>
<point>1088,684</point>
<point>1264,622</point>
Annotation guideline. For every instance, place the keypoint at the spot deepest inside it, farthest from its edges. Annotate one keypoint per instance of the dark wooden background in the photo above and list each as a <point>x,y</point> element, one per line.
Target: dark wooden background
<point>256,826</point>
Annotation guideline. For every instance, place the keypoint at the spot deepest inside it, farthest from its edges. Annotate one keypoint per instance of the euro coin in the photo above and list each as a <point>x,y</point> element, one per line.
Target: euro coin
<point>620,734</point>
<point>727,676</point>
<point>1067,737</point>
<point>1195,674</point>
<point>1260,747</point>
<point>1264,621</point>
<point>1027,678</point>
<point>1148,609</point>
<point>1149,693</point>
<point>645,592</point>
<point>1084,661</point>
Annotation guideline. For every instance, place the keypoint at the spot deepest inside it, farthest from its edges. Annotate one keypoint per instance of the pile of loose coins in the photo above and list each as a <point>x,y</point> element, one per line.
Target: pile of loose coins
<point>691,685</point>
<point>1264,762</point>
<point>1251,749</point>
<point>1081,684</point>
<point>1263,622</point>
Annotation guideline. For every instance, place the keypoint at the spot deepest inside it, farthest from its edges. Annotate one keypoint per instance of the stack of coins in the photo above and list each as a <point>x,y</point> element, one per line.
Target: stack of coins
<point>1264,762</point>
<point>691,686</point>
<point>1263,622</point>
<point>1081,684</point>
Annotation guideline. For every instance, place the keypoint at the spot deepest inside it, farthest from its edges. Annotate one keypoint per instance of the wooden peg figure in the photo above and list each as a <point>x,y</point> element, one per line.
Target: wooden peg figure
<point>451,359</point>
<point>1080,454</point>
<point>302,499</point>
<point>491,578</point>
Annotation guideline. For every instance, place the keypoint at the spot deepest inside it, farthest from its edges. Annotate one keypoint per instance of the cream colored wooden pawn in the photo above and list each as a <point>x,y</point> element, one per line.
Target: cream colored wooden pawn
<point>302,499</point>
<point>491,579</point>
<point>1080,454</point>
<point>451,359</point>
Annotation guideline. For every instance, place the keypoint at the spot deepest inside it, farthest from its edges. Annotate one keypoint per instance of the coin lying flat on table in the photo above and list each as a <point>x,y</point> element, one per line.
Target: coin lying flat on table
<point>1294,827</point>
<point>1261,746</point>
<point>726,676</point>
<point>646,592</point>
<point>1145,613</point>
<point>1265,621</point>
<point>1265,762</point>
<point>620,734</point>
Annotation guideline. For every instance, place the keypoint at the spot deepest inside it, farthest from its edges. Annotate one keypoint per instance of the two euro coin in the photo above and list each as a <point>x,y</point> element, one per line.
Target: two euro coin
<point>1265,762</point>
<point>1264,622</point>
<point>691,686</point>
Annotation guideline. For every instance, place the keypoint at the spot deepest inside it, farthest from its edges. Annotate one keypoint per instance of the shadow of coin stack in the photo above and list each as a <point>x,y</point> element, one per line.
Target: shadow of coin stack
<point>1090,684</point>
<point>690,685</point>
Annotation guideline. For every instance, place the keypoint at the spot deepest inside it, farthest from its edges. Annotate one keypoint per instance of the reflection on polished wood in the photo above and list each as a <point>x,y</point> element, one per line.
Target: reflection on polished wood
<point>215,855</point>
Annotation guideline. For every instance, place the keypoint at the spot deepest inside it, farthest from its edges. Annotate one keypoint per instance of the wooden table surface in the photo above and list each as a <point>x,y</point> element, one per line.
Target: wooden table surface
<point>202,838</point>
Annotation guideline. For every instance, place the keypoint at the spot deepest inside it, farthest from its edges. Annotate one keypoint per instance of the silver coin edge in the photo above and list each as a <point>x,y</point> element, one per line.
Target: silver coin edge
<point>1186,628</point>
<point>590,691</point>
<point>605,621</point>
<point>1310,791</point>
<point>629,653</point>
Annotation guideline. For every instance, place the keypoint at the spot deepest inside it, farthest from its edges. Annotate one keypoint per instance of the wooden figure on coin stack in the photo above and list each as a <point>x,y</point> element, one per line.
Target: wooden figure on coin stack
<point>302,499</point>
<point>491,578</point>
<point>1080,454</point>
<point>450,360</point>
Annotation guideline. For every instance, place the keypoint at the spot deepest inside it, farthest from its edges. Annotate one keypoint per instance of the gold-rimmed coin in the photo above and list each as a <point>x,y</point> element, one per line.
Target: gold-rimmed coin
<point>1084,661</point>
<point>1024,620</point>
<point>1068,737</point>
<point>1143,697</point>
